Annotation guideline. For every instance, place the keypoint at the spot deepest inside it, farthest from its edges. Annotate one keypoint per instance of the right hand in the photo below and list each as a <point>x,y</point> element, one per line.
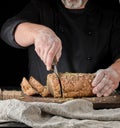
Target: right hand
<point>47,45</point>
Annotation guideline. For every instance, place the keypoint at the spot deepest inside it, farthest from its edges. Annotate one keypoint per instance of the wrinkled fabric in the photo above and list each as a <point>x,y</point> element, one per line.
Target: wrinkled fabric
<point>71,114</point>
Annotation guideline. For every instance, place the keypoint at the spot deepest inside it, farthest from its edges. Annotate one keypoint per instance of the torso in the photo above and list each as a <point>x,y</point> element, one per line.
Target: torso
<point>85,40</point>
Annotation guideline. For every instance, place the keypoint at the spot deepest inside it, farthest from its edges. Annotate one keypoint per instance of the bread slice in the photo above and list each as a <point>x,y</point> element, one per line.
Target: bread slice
<point>27,88</point>
<point>53,85</point>
<point>42,90</point>
<point>45,92</point>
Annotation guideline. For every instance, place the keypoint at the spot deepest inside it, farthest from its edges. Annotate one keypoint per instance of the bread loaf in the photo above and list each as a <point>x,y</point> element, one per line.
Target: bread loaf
<point>73,84</point>
<point>70,85</point>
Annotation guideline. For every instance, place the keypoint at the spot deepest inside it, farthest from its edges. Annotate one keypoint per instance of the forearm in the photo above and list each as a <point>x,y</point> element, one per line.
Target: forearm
<point>116,66</point>
<point>25,33</point>
<point>47,43</point>
<point>107,80</point>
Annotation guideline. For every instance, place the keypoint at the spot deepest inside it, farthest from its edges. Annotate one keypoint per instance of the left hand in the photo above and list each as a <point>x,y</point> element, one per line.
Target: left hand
<point>105,82</point>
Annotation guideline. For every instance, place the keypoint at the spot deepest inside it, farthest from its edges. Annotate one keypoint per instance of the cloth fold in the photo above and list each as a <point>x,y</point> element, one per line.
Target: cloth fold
<point>71,114</point>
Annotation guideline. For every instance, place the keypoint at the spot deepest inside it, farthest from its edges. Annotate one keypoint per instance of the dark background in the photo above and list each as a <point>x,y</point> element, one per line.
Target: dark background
<point>13,62</point>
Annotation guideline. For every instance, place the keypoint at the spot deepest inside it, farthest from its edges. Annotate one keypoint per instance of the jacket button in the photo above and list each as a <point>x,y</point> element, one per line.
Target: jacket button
<point>89,58</point>
<point>89,33</point>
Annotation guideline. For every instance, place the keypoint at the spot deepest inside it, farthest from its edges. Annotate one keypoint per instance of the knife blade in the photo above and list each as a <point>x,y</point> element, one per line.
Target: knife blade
<point>55,66</point>
<point>55,70</point>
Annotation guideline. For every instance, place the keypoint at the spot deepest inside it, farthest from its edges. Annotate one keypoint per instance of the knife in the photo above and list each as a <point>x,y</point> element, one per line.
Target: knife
<point>55,66</point>
<point>57,74</point>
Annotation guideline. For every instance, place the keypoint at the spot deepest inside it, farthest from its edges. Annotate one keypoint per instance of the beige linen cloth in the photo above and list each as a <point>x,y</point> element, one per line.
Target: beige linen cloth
<point>77,113</point>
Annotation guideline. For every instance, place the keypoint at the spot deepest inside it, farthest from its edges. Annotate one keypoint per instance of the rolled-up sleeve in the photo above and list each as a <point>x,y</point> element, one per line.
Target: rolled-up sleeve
<point>29,13</point>
<point>7,32</point>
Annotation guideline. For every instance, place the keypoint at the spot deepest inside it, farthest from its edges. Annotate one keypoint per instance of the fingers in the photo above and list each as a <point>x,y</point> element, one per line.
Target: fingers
<point>54,51</point>
<point>50,56</point>
<point>47,46</point>
<point>104,83</point>
<point>105,88</point>
<point>58,54</point>
<point>99,76</point>
<point>48,50</point>
<point>100,85</point>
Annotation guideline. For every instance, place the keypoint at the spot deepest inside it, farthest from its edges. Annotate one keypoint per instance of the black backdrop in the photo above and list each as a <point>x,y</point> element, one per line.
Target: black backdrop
<point>13,62</point>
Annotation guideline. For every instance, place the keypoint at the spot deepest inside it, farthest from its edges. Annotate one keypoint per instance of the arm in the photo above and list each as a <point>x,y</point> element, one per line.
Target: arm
<point>47,43</point>
<point>24,30</point>
<point>28,14</point>
<point>116,66</point>
<point>107,80</point>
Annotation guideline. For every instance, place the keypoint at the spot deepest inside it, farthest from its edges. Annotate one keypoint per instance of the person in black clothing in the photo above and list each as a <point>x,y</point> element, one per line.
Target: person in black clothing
<point>83,37</point>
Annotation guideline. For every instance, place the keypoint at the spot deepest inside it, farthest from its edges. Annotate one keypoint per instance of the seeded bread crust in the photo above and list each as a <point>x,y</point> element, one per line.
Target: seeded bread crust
<point>73,84</point>
<point>53,85</point>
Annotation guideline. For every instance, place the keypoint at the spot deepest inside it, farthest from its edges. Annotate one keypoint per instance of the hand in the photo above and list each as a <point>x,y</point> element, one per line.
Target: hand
<point>105,82</point>
<point>47,46</point>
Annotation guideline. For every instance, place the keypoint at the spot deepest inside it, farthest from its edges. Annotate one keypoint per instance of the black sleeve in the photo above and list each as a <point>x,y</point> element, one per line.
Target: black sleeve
<point>29,13</point>
<point>115,37</point>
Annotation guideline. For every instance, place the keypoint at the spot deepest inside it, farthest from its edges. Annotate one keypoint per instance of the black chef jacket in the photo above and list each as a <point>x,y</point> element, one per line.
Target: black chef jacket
<point>90,37</point>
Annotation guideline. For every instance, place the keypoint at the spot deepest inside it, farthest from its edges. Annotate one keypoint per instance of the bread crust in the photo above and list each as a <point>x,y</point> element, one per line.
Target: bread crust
<point>73,84</point>
<point>45,92</point>
<point>27,88</point>
<point>42,90</point>
<point>77,84</point>
<point>53,85</point>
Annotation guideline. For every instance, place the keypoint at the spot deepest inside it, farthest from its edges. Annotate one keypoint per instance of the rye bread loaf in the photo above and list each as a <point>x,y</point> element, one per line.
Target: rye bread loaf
<point>72,84</point>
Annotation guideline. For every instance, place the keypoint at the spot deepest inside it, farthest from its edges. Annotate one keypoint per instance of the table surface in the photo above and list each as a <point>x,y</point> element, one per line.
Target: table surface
<point>112,101</point>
